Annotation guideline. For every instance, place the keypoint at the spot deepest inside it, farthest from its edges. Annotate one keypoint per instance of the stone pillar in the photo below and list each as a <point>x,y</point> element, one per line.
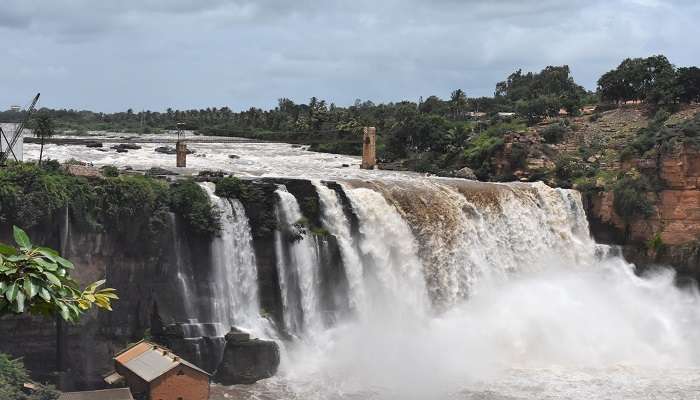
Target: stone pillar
<point>369,148</point>
<point>181,150</point>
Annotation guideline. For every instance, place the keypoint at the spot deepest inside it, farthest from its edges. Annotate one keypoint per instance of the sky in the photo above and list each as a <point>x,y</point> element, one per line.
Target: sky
<point>154,54</point>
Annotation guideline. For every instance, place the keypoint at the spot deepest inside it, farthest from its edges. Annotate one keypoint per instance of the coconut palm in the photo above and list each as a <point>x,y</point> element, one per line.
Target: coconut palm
<point>44,129</point>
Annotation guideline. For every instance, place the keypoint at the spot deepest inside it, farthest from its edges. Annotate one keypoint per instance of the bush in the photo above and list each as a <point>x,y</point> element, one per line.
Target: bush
<point>630,197</point>
<point>189,200</point>
<point>554,133</point>
<point>110,171</point>
<point>12,378</point>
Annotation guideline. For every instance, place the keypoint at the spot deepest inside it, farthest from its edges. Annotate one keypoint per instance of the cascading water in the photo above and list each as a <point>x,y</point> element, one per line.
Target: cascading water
<point>514,301</point>
<point>298,267</point>
<point>335,220</point>
<point>235,275</point>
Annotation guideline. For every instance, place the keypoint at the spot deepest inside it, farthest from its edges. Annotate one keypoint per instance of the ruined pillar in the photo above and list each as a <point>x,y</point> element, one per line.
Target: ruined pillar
<point>369,148</point>
<point>181,150</point>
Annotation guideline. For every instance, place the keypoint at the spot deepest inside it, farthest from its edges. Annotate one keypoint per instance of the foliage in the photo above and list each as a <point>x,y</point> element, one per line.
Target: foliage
<point>662,138</point>
<point>36,280</point>
<point>655,244</point>
<point>13,376</point>
<point>110,171</point>
<point>43,129</point>
<point>630,197</point>
<point>537,95</point>
<point>135,208</point>
<point>554,133</point>
<point>189,200</point>
<point>689,84</point>
<point>653,80</point>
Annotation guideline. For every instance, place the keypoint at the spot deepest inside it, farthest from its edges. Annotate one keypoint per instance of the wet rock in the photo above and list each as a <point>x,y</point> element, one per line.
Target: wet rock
<point>125,146</point>
<point>233,156</point>
<point>159,171</point>
<point>166,150</point>
<point>170,150</point>
<point>247,360</point>
<point>93,144</point>
<point>122,151</point>
<point>466,173</point>
<point>345,165</point>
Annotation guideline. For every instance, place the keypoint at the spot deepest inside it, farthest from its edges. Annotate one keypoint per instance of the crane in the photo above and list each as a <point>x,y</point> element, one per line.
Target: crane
<point>16,135</point>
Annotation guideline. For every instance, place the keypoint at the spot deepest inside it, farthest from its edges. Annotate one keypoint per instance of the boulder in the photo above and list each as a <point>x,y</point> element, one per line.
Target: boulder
<point>125,146</point>
<point>93,144</point>
<point>466,173</point>
<point>233,156</point>
<point>247,360</point>
<point>154,171</point>
<point>166,150</point>
<point>170,150</point>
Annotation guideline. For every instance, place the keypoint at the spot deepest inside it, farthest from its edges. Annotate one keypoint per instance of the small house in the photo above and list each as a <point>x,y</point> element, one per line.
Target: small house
<point>108,394</point>
<point>153,372</point>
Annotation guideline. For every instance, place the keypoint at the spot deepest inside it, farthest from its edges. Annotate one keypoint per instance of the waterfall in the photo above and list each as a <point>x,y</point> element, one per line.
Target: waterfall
<point>235,299</point>
<point>188,296</point>
<point>336,222</point>
<point>393,272</point>
<point>298,267</point>
<point>460,287</point>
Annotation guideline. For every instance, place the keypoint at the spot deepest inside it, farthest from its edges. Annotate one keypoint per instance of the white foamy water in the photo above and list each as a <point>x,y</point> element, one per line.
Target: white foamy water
<point>460,290</point>
<point>250,158</point>
<point>298,268</point>
<point>235,286</point>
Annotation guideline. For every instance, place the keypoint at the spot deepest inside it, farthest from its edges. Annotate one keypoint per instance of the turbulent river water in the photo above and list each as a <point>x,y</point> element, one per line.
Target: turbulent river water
<point>455,289</point>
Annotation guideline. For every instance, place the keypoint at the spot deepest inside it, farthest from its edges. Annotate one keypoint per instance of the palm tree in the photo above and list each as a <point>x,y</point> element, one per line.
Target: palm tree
<point>44,130</point>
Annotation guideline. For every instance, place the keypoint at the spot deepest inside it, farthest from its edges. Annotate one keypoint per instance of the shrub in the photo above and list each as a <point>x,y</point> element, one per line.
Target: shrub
<point>12,378</point>
<point>110,171</point>
<point>554,133</point>
<point>189,200</point>
<point>630,197</point>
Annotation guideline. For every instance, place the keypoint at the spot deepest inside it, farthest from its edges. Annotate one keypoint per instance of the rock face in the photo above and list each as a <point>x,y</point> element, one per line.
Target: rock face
<point>247,360</point>
<point>675,219</point>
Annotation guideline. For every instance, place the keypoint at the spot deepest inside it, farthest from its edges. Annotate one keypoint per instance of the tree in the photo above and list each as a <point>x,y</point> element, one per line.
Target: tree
<point>689,84</point>
<point>44,130</point>
<point>36,280</point>
<point>458,103</point>
<point>652,79</point>
<point>13,377</point>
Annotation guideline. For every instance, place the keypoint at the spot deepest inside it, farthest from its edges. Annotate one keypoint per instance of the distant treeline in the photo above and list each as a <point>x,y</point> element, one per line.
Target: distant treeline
<point>448,127</point>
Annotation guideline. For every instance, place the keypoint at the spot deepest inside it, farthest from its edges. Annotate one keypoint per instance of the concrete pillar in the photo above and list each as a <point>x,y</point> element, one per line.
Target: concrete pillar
<point>181,150</point>
<point>369,148</point>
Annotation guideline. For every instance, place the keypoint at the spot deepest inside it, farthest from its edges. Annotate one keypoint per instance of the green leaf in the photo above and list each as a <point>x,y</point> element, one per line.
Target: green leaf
<point>19,304</point>
<point>7,250</point>
<point>11,292</point>
<point>21,238</point>
<point>44,294</point>
<point>49,266</point>
<point>65,314</point>
<point>51,254</point>
<point>65,263</point>
<point>52,278</point>
<point>3,287</point>
<point>30,288</point>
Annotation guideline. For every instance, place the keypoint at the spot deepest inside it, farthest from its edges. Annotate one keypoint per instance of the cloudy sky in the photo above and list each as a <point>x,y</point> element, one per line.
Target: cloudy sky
<point>154,54</point>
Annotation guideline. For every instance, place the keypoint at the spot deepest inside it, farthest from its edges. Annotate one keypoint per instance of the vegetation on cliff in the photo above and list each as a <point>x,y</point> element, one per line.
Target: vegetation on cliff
<point>134,207</point>
<point>14,377</point>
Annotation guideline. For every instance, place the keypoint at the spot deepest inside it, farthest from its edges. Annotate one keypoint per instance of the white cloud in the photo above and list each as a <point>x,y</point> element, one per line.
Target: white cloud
<point>242,53</point>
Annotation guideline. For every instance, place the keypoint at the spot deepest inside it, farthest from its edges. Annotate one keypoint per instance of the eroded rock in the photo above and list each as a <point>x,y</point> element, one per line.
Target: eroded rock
<point>247,360</point>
